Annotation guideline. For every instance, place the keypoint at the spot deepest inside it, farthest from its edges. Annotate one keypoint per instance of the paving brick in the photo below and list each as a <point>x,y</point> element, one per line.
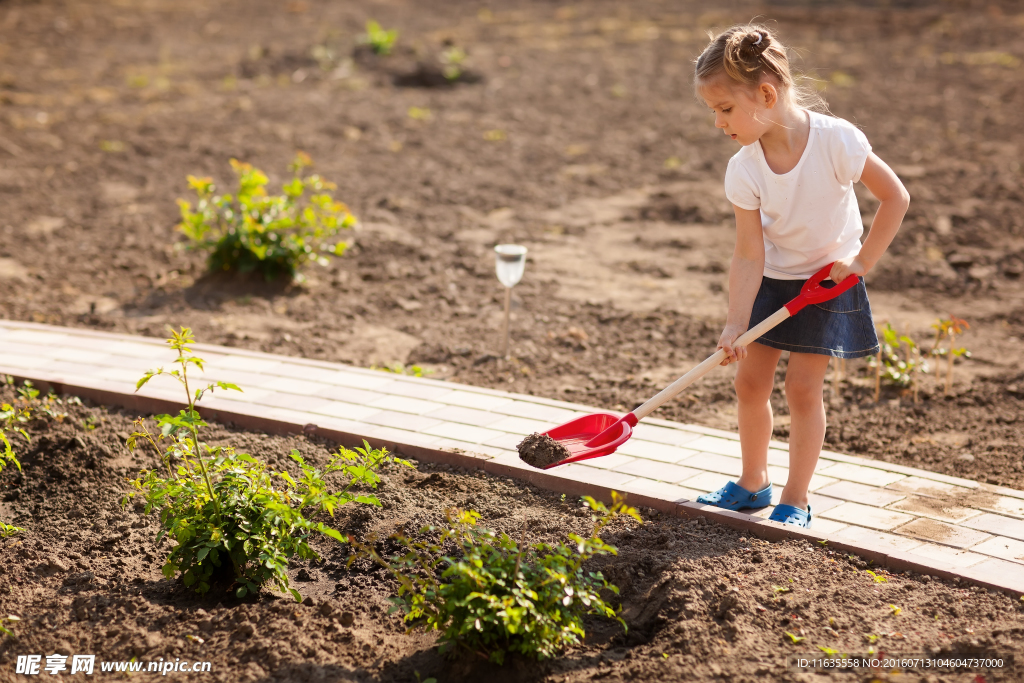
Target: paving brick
<point>287,385</point>
<point>349,395</point>
<point>81,356</point>
<point>310,373</point>
<point>469,416</point>
<point>820,503</point>
<point>415,390</point>
<point>306,404</point>
<point>824,526</point>
<point>861,474</point>
<point>1004,505</point>
<point>671,437</point>
<point>655,451</point>
<point>997,524</point>
<point>610,462</point>
<point>1002,547</point>
<point>926,487</point>
<point>861,493</point>
<point>248,364</point>
<point>660,490</point>
<point>940,532</point>
<point>155,352</point>
<point>867,516</point>
<point>245,396</point>
<point>706,481</point>
<point>535,411</point>
<point>593,475</point>
<point>356,380</point>
<point>520,425</point>
<point>1003,573</point>
<point>934,508</point>
<point>957,557</point>
<point>21,362</point>
<point>709,431</point>
<point>470,399</point>
<point>779,458</point>
<point>404,436</point>
<point>390,418</point>
<point>714,462</point>
<point>505,441</point>
<point>459,432</point>
<point>714,444</point>
<point>42,339</point>
<point>659,471</point>
<point>243,379</point>
<point>877,540</point>
<point>402,404</point>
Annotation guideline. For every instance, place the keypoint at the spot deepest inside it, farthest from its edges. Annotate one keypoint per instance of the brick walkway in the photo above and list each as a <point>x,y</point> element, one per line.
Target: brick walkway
<point>900,516</point>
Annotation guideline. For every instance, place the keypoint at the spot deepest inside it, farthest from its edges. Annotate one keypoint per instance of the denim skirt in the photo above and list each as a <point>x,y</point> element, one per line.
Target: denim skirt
<point>842,327</point>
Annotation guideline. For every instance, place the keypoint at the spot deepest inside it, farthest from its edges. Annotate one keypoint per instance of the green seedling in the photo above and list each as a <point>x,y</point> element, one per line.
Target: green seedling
<point>10,618</point>
<point>420,114</point>
<point>494,596</point>
<point>89,423</point>
<point>895,610</point>
<point>830,652</point>
<point>878,578</point>
<point>823,543</point>
<point>274,235</point>
<point>402,369</point>
<point>871,638</point>
<point>452,60</point>
<point>379,40</point>
<point>8,530</point>
<point>794,638</point>
<point>231,517</point>
<point>780,590</point>
<point>898,362</point>
<point>947,330</point>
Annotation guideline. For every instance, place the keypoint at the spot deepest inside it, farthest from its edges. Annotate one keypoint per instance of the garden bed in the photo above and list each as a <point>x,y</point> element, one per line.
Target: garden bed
<point>701,601</point>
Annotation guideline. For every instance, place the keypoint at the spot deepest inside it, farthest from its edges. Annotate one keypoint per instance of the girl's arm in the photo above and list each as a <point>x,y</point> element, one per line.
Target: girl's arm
<point>745,275</point>
<point>895,199</point>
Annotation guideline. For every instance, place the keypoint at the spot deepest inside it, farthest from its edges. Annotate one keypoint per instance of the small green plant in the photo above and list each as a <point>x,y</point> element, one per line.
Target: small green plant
<point>794,638</point>
<point>401,369</point>
<point>878,578</point>
<point>274,235</point>
<point>228,513</point>
<point>947,330</point>
<point>11,619</point>
<point>495,596</point>
<point>452,60</point>
<point>898,362</point>
<point>895,610</point>
<point>379,40</point>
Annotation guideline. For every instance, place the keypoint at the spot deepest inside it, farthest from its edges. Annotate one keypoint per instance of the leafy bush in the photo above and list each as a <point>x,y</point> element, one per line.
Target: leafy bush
<point>226,510</point>
<point>271,234</point>
<point>898,362</point>
<point>496,596</point>
<point>379,40</point>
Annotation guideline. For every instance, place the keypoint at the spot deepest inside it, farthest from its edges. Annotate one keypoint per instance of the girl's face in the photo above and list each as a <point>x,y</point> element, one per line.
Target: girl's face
<point>741,115</point>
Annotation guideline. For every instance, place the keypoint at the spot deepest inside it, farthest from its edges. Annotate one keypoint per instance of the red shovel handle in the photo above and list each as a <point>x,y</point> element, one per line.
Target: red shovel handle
<point>813,293</point>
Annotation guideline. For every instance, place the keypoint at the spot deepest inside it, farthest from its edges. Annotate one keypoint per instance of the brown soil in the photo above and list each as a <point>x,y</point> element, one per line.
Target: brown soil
<point>540,450</point>
<point>578,137</point>
<point>701,601</point>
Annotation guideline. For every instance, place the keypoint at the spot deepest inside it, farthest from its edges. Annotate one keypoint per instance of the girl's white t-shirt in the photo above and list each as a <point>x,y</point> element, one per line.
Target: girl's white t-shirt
<point>810,215</point>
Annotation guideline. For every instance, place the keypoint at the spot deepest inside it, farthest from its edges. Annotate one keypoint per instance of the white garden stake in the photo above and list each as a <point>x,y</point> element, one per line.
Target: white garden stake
<point>509,264</point>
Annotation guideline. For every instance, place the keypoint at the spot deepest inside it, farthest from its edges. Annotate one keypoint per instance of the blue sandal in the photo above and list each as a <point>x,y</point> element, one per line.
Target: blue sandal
<point>732,496</point>
<point>789,514</point>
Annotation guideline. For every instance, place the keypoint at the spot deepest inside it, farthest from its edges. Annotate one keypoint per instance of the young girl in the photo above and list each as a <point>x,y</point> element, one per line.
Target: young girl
<point>791,185</point>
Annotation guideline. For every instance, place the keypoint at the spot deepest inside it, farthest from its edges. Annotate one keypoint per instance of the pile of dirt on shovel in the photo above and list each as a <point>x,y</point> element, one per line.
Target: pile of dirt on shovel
<point>540,450</point>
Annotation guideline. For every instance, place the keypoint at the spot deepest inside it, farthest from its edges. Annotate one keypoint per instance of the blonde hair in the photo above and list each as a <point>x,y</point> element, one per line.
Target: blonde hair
<point>748,55</point>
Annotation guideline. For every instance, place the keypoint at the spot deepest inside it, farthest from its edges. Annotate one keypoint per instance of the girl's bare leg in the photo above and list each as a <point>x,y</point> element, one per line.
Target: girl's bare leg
<point>755,379</point>
<point>805,378</point>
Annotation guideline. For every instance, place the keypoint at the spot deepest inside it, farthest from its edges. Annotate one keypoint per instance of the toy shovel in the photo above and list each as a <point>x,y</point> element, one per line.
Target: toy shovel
<point>592,436</point>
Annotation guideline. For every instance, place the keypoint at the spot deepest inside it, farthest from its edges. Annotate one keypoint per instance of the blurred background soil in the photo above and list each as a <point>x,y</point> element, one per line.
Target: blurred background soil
<point>577,135</point>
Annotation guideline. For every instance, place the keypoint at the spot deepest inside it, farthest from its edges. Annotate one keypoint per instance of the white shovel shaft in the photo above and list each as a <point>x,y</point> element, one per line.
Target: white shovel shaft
<point>672,390</point>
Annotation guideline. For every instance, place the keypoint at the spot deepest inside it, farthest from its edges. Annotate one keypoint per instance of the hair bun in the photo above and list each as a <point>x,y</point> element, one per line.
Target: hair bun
<point>757,41</point>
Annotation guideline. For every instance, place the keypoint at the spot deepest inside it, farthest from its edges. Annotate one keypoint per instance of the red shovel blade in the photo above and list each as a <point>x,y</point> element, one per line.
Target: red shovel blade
<point>592,436</point>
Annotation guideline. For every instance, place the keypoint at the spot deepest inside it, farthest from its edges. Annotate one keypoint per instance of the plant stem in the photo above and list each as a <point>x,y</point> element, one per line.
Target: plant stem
<point>878,376</point>
<point>949,364</point>
<point>195,445</point>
